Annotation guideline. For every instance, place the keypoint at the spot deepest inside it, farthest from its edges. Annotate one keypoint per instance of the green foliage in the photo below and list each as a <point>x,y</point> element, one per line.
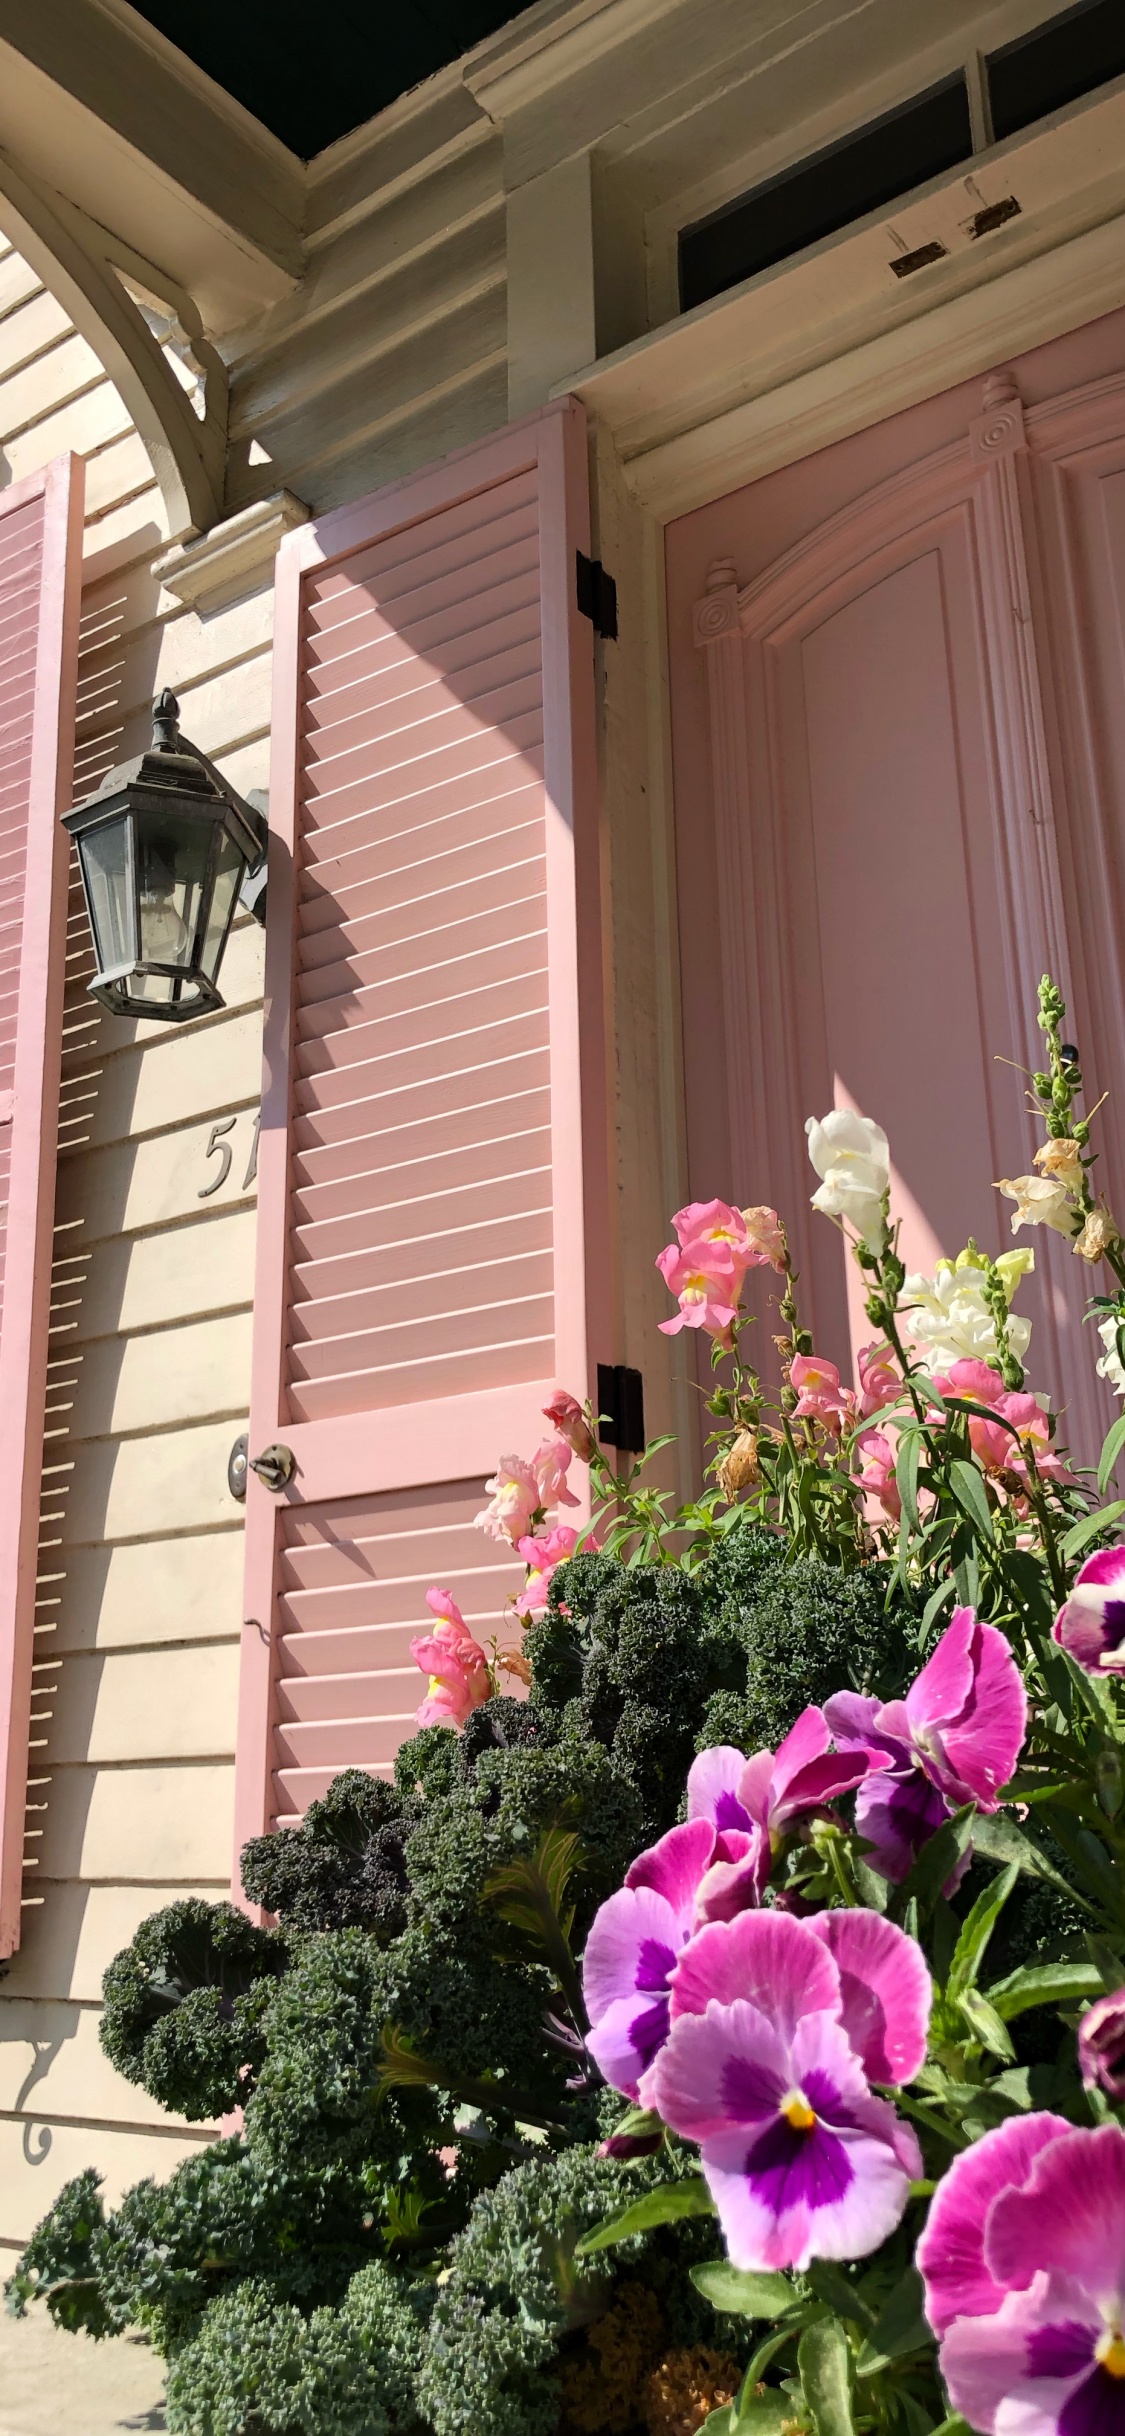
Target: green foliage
<point>808,1630</point>
<point>258,2367</point>
<point>185,2005</point>
<point>59,2265</point>
<point>343,1867</point>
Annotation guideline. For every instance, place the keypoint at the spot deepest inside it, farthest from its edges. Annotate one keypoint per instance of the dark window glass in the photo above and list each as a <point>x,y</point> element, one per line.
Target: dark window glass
<point>1060,60</point>
<point>824,193</point>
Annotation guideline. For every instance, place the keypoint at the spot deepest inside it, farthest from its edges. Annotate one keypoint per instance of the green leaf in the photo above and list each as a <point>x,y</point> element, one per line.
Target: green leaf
<point>1111,1448</point>
<point>900,2328</point>
<point>906,1474</point>
<point>745,2294</point>
<point>1044,1983</point>
<point>935,1863</point>
<point>969,1951</point>
<point>968,1488</point>
<point>997,1838</point>
<point>986,2025</point>
<point>663,2206</point>
<point>1089,1528</point>
<point>760,2415</point>
<point>822,2358</point>
<point>831,2286</point>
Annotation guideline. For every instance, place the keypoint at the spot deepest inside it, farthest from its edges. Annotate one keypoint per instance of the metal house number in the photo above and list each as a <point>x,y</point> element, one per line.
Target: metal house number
<point>219,1147</point>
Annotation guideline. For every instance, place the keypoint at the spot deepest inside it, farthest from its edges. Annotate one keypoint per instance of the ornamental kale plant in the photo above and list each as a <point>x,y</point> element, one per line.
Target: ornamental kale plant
<point>719,2022</point>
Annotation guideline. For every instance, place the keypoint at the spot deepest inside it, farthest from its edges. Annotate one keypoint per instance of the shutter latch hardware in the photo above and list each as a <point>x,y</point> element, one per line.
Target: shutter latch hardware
<point>274,1466</point>
<point>621,1407</point>
<point>596,594</point>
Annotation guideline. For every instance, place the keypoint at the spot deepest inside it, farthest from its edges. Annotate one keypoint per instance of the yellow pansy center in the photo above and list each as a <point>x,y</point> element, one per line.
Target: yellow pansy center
<point>1111,2353</point>
<point>797,2111</point>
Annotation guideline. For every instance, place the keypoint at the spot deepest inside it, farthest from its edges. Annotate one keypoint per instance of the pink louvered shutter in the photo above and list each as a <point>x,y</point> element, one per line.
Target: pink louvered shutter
<point>433,1163</point>
<point>40,592</point>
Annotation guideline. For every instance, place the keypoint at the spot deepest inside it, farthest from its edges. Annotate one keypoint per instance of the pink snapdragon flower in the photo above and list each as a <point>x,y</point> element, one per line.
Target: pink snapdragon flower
<point>773,1790</point>
<point>1028,1419</point>
<point>515,1500</point>
<point>543,1554</point>
<point>878,1474</point>
<point>1091,1626</point>
<point>568,1421</point>
<point>778,2027</point>
<point>1023,2262</point>
<point>954,1739</point>
<point>550,1464</point>
<point>707,1282</point>
<point>460,1680</point>
<point>766,1236</point>
<point>719,1223</point>
<point>820,1396</point>
<point>880,1380</point>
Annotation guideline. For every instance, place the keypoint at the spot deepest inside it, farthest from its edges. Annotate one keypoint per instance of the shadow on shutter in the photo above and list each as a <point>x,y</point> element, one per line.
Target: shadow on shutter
<point>433,1162</point>
<point>40,580</point>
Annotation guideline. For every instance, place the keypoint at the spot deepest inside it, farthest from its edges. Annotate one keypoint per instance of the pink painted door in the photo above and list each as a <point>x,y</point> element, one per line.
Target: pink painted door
<point>899,665</point>
<point>433,1154</point>
<point>40,580</point>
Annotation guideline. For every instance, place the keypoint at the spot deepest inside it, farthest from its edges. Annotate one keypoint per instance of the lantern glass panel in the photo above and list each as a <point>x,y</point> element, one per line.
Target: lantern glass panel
<point>229,867</point>
<point>104,856</point>
<point>173,866</point>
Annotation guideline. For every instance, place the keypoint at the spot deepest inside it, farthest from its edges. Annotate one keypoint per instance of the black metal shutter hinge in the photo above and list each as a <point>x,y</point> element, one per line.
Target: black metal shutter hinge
<point>596,595</point>
<point>621,1407</point>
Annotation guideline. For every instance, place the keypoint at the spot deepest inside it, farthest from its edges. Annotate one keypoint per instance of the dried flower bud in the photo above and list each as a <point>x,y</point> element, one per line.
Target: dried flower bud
<point>1101,2045</point>
<point>513,1662</point>
<point>1062,1159</point>
<point>1096,1237</point>
<point>739,1468</point>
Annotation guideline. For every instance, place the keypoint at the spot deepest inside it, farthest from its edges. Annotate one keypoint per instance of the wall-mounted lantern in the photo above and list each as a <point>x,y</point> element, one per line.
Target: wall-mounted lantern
<point>164,847</point>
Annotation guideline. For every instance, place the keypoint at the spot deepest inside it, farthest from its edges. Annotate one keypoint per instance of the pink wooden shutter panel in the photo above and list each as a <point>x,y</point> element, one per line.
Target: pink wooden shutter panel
<point>40,576</point>
<point>433,1159</point>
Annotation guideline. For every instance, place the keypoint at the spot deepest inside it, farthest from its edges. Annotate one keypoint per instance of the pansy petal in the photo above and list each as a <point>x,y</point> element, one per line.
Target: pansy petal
<point>946,1680</point>
<point>896,1815</point>
<point>1106,1569</point>
<point>950,2254</point>
<point>737,1875</point>
<point>712,1787</point>
<point>769,1959</point>
<point>633,1944</point>
<point>754,1786</point>
<point>720,2069</point>
<point>825,1779</point>
<point>985,2362</point>
<point>624,2042</point>
<point>673,1867</point>
<point>805,1741</point>
<point>792,2197</point>
<point>885,1989</point>
<point>1068,2218</point>
<point>982,1745</point>
<point>850,1717</point>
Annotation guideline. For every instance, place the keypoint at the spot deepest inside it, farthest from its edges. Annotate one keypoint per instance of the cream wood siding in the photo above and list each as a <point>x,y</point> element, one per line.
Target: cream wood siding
<point>141,1588</point>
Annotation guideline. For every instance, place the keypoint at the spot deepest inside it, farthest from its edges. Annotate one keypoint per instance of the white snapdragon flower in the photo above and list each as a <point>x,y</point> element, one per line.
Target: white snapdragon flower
<point>1111,1366</point>
<point>852,1156</point>
<point>948,1320</point>
<point>1040,1201</point>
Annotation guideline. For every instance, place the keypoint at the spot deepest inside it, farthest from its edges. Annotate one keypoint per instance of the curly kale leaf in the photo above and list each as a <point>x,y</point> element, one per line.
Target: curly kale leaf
<point>807,1630</point>
<point>515,1796</point>
<point>185,2005</point>
<point>61,2262</point>
<point>258,2367</point>
<point>343,1867</point>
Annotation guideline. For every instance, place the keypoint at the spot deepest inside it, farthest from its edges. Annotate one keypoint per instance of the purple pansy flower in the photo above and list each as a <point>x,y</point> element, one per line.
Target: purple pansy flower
<point>1091,1626</point>
<point>773,1789</point>
<point>694,1874</point>
<point>777,2025</point>
<point>1101,2045</point>
<point>954,1739</point>
<point>1024,2265</point>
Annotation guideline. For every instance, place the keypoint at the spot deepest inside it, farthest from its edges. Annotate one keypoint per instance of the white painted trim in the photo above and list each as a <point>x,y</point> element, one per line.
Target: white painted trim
<point>233,557</point>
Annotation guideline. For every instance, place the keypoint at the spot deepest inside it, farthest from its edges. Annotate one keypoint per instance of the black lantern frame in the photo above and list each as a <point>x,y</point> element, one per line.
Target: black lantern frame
<point>164,847</point>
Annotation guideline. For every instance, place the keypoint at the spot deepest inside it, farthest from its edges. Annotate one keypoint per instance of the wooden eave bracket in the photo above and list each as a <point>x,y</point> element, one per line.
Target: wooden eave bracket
<point>187,452</point>
<point>229,560</point>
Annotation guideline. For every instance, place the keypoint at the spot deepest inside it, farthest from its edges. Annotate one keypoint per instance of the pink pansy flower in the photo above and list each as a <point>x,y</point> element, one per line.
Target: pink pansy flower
<point>1101,2046</point>
<point>543,1555</point>
<point>516,1500</point>
<point>707,1282</point>
<point>880,1380</point>
<point>773,1789</point>
<point>1023,2261</point>
<point>778,2027</point>
<point>632,1950</point>
<point>1091,1626</point>
<point>456,1665</point>
<point>820,1396</point>
<point>878,1474</point>
<point>963,1720</point>
<point>568,1420</point>
<point>550,1464</point>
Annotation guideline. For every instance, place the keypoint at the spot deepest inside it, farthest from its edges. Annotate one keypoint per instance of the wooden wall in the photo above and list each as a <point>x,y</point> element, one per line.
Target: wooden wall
<point>142,1543</point>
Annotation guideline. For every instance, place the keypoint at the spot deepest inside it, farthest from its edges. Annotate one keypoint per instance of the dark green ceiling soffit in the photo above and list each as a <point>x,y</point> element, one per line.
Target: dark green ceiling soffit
<point>313,69</point>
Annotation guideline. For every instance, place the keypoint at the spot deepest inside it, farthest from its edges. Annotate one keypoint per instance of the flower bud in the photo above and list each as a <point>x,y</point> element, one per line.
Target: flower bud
<point>1101,2045</point>
<point>739,1468</point>
<point>1096,1237</point>
<point>565,1414</point>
